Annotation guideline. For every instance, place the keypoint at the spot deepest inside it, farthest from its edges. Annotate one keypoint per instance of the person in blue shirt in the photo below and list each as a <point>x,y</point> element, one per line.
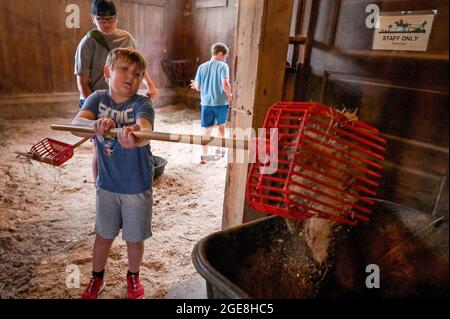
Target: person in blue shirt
<point>213,82</point>
<point>124,195</point>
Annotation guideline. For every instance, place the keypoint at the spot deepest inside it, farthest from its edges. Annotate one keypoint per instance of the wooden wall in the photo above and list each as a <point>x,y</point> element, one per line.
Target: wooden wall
<point>194,25</point>
<point>147,22</point>
<point>404,94</point>
<point>37,49</point>
<point>208,25</point>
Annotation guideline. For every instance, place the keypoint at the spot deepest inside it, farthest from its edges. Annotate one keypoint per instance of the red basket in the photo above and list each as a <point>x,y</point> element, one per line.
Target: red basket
<point>327,165</point>
<point>52,151</point>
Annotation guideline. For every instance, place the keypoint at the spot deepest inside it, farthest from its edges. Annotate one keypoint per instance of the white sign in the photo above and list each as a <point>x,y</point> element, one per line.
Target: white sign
<point>406,31</point>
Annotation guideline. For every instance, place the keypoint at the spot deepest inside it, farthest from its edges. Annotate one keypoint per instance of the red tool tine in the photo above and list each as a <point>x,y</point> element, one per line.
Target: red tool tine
<point>328,165</point>
<point>52,152</point>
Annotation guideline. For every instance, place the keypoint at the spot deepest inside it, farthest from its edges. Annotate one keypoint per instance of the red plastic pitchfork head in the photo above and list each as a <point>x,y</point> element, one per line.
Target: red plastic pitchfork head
<point>328,165</point>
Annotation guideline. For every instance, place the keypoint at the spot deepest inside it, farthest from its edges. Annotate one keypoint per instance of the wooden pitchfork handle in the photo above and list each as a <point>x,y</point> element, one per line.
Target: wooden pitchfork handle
<point>84,139</point>
<point>165,137</point>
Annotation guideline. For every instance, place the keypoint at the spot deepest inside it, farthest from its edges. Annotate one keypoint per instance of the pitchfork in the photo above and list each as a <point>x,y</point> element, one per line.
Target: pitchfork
<point>328,164</point>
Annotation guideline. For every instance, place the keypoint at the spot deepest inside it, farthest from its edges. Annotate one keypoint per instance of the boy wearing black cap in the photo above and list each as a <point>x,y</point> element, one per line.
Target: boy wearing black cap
<point>92,51</point>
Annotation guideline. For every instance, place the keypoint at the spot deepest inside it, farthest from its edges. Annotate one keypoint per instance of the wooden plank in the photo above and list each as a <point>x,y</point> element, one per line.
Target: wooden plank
<point>33,106</point>
<point>211,3</point>
<point>138,19</point>
<point>261,48</point>
<point>297,40</point>
<point>441,204</point>
<point>309,21</point>
<point>156,3</point>
<point>248,34</point>
<point>409,187</point>
<point>405,117</point>
<point>206,27</point>
<point>417,156</point>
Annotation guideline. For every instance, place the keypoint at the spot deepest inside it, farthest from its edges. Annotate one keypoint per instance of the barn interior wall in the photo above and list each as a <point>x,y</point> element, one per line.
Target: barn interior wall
<point>402,93</point>
<point>37,48</point>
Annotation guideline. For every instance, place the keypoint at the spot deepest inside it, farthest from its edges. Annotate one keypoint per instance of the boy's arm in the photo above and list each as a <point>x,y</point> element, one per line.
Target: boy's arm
<point>83,86</point>
<point>195,83</point>
<point>87,118</point>
<point>195,86</point>
<point>128,140</point>
<point>83,118</point>
<point>227,89</point>
<point>152,92</point>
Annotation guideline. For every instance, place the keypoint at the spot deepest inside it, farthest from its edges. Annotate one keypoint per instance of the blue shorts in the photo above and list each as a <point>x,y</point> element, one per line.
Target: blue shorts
<point>214,115</point>
<point>81,103</point>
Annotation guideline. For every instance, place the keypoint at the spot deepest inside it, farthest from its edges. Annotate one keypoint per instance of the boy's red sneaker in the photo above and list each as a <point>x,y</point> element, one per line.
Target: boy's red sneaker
<point>135,289</point>
<point>94,289</point>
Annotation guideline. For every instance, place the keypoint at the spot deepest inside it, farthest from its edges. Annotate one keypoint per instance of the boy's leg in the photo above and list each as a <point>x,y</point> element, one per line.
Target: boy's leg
<point>221,114</point>
<point>107,225</point>
<point>207,131</point>
<point>137,221</point>
<point>97,284</point>
<point>135,255</point>
<point>135,290</point>
<point>222,130</point>
<point>101,252</point>
<point>208,119</point>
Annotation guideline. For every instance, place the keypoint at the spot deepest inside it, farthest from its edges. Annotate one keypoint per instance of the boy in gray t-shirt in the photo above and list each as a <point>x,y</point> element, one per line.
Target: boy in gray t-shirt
<point>90,60</point>
<point>91,56</point>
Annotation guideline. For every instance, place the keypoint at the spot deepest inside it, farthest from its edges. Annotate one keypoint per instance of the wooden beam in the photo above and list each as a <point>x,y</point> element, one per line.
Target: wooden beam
<point>157,3</point>
<point>297,40</point>
<point>211,3</point>
<point>262,39</point>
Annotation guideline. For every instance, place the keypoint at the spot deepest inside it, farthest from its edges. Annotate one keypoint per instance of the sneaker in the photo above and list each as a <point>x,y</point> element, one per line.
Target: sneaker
<point>135,289</point>
<point>205,158</point>
<point>220,151</point>
<point>94,289</point>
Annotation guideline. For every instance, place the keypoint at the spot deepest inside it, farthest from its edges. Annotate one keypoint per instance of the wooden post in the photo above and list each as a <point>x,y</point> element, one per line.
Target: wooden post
<point>262,39</point>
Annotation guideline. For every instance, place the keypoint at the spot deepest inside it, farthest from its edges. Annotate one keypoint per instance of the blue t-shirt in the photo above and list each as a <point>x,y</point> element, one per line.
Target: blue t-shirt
<point>209,76</point>
<point>120,170</point>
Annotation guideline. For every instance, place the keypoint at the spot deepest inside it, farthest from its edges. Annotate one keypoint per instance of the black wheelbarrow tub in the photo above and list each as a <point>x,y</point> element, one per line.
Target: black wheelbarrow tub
<point>259,260</point>
<point>160,164</point>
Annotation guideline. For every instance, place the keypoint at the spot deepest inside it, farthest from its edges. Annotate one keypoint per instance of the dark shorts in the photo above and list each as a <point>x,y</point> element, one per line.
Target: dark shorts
<point>214,115</point>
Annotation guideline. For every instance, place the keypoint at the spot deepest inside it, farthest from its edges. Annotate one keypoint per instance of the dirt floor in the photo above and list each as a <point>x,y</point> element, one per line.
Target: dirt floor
<point>47,214</point>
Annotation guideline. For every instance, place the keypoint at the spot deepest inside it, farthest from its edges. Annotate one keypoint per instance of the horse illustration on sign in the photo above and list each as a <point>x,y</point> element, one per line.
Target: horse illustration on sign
<point>405,27</point>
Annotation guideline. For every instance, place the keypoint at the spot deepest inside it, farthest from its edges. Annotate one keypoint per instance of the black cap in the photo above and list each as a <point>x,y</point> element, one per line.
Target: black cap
<point>103,8</point>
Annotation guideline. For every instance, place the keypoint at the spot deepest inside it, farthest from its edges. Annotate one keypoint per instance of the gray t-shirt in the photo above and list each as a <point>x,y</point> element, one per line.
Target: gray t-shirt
<point>91,56</point>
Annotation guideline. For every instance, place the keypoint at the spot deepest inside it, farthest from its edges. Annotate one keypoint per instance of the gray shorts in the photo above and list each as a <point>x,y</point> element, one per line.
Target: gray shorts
<point>130,212</point>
